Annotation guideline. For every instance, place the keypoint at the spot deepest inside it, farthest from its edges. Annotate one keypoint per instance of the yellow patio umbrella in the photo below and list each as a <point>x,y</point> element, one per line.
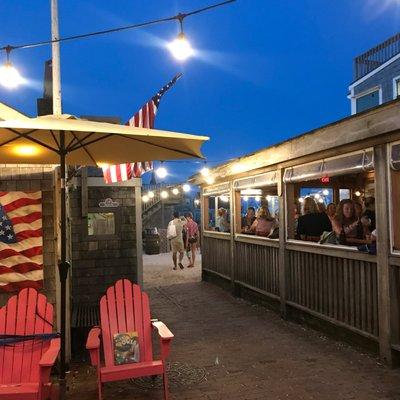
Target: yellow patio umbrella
<point>66,139</point>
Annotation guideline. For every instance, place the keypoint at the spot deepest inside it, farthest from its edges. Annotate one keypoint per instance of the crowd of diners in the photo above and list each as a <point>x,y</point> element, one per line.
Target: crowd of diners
<point>351,222</point>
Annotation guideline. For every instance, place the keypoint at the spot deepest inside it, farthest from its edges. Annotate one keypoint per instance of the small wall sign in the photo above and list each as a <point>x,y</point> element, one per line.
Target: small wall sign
<point>108,203</point>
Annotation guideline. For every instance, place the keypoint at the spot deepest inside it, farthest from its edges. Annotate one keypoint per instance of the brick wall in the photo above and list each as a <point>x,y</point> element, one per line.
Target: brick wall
<point>31,178</point>
<point>97,263</point>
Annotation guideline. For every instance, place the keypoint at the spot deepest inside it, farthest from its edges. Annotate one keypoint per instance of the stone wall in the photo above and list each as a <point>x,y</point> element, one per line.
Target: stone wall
<point>33,178</point>
<point>97,262</point>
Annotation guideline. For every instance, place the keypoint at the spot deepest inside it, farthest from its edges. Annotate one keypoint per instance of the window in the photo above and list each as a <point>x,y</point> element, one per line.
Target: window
<point>315,191</point>
<point>257,205</point>
<point>367,101</point>
<point>217,208</point>
<point>396,87</point>
<point>395,194</point>
<point>100,224</point>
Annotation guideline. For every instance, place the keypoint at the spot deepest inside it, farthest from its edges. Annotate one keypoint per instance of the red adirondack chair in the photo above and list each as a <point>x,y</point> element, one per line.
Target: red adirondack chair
<point>125,308</point>
<point>25,366</point>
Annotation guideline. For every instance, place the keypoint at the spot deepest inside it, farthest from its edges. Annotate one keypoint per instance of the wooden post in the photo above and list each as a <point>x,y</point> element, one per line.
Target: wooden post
<point>233,223</point>
<point>282,240</point>
<point>139,240</point>
<point>383,251</point>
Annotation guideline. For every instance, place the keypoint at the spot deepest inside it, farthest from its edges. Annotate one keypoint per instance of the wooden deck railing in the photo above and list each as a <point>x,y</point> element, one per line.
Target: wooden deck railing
<point>375,57</point>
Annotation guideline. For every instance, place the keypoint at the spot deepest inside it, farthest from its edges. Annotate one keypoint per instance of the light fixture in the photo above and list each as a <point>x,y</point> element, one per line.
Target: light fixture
<point>257,198</point>
<point>186,188</point>
<point>251,192</point>
<point>164,194</point>
<point>150,194</point>
<point>357,193</point>
<point>210,180</point>
<point>175,191</point>
<point>10,78</point>
<point>317,196</point>
<point>197,202</point>
<point>268,197</point>
<point>161,171</point>
<point>205,171</point>
<point>145,198</point>
<point>321,200</point>
<point>180,47</point>
<point>224,198</point>
<point>245,198</point>
<point>26,150</point>
<point>325,192</point>
<point>301,199</point>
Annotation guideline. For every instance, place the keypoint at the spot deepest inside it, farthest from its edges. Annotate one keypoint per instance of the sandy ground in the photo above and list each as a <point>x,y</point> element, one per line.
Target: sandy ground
<point>157,270</point>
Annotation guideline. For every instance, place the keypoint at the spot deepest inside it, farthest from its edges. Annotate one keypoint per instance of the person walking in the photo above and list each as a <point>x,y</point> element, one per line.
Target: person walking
<point>192,230</point>
<point>174,233</point>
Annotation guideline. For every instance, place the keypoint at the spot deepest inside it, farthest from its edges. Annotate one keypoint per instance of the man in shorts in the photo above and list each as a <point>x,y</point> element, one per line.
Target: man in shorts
<point>177,245</point>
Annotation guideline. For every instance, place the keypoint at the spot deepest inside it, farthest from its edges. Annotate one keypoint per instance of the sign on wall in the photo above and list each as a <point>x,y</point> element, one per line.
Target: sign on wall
<point>21,240</point>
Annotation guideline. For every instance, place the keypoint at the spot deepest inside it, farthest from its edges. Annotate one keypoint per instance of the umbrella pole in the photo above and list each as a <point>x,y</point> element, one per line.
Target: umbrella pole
<point>63,265</point>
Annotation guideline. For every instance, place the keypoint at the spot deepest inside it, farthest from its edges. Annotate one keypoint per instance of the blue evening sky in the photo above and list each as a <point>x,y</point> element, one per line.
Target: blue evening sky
<point>265,70</point>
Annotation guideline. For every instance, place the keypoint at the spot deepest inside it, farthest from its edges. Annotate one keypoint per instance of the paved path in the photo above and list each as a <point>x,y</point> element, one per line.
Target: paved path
<point>248,352</point>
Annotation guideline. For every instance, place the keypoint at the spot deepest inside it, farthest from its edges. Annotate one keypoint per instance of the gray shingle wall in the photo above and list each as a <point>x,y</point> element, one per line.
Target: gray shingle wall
<point>383,78</point>
<point>97,264</point>
<point>32,178</point>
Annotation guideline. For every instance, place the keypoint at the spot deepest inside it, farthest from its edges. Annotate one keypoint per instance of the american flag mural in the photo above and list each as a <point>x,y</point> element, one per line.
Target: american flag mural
<point>21,241</point>
<point>144,118</point>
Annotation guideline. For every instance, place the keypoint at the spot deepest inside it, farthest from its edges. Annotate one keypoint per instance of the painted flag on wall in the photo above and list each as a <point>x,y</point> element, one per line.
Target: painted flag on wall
<point>21,241</point>
<point>144,118</point>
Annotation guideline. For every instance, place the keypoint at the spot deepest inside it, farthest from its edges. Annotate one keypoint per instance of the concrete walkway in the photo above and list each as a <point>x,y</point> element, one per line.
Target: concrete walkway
<point>247,352</point>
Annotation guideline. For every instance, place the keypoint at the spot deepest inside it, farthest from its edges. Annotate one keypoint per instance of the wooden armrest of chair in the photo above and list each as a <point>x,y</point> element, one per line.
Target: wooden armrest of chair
<point>163,331</point>
<point>49,358</point>
<point>93,340</point>
<point>166,337</point>
<point>93,345</point>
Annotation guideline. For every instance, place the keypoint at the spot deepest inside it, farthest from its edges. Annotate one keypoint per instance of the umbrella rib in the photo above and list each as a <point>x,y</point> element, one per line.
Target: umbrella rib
<point>55,138</point>
<point>76,147</point>
<point>84,148</point>
<point>26,136</point>
<point>14,139</point>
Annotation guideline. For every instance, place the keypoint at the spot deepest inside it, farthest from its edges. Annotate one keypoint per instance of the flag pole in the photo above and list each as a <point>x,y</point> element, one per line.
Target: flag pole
<point>63,265</point>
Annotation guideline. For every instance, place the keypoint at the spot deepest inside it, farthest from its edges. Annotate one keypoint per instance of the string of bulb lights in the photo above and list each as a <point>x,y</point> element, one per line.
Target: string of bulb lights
<point>180,47</point>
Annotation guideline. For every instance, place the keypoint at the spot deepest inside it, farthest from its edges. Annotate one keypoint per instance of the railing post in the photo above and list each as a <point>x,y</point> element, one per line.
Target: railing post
<point>282,240</point>
<point>383,251</point>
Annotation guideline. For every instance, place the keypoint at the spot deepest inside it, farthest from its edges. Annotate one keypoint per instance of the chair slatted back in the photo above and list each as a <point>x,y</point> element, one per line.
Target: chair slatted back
<point>25,314</point>
<point>124,308</point>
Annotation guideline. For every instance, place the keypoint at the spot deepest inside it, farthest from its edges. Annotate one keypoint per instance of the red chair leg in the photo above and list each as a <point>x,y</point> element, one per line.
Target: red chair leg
<point>165,381</point>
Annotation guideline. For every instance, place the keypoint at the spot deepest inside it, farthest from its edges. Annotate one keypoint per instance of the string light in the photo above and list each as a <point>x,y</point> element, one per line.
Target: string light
<point>180,48</point>
<point>301,199</point>
<point>357,193</point>
<point>145,198</point>
<point>161,171</point>
<point>175,191</point>
<point>245,198</point>
<point>186,188</point>
<point>325,192</point>
<point>210,180</point>
<point>164,194</point>
<point>10,78</point>
<point>150,194</point>
<point>205,171</point>
<point>257,198</point>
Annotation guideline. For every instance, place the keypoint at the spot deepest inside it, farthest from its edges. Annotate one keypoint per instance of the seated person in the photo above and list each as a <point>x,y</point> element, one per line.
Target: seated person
<point>264,223</point>
<point>248,219</point>
<point>346,225</point>
<point>221,221</point>
<point>369,211</point>
<point>312,223</point>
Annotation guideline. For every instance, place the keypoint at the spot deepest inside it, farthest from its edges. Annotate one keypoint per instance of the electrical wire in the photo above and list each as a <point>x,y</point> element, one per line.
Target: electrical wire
<point>178,17</point>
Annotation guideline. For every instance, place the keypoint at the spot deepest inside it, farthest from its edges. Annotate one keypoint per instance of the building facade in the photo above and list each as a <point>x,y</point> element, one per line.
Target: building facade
<point>376,78</point>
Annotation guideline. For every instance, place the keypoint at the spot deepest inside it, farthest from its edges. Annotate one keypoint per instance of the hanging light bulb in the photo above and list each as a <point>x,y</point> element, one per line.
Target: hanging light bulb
<point>150,195</point>
<point>145,198</point>
<point>205,171</point>
<point>257,198</point>
<point>180,47</point>
<point>357,193</point>
<point>301,199</point>
<point>210,180</point>
<point>317,196</point>
<point>161,171</point>
<point>164,194</point>
<point>10,78</point>
<point>175,191</point>
<point>186,188</point>
<point>245,198</point>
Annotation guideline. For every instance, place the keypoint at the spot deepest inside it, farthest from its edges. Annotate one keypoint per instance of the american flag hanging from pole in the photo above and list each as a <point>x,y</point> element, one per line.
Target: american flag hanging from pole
<point>21,241</point>
<point>144,118</point>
